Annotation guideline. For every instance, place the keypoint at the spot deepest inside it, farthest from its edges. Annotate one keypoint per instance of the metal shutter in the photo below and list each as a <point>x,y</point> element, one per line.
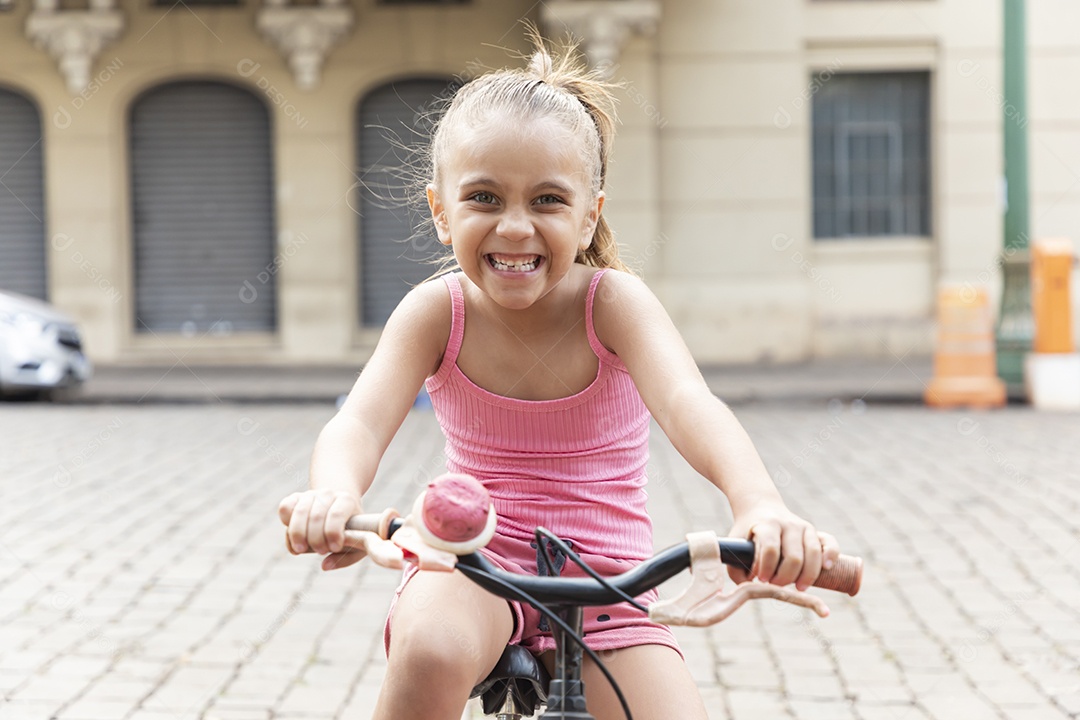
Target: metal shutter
<point>22,200</point>
<point>394,241</point>
<point>202,199</point>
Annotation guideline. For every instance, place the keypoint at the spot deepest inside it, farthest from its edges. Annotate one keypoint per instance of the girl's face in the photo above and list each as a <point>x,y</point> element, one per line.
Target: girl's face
<point>515,202</point>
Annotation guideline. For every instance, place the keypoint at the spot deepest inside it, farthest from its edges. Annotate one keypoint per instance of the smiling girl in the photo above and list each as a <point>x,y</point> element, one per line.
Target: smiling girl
<point>545,359</point>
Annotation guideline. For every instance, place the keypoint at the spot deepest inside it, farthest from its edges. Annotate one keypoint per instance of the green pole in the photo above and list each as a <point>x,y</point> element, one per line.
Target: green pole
<point>1015,328</point>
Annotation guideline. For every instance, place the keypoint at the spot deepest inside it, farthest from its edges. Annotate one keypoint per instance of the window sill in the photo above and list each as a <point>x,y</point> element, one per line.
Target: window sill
<point>874,249</point>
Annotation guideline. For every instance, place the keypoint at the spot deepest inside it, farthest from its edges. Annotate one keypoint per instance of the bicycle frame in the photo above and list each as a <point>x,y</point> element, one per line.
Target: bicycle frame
<point>566,694</point>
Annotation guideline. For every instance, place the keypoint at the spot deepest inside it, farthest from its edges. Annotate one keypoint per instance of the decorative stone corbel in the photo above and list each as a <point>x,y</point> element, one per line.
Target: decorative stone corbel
<point>74,37</point>
<point>604,26</point>
<point>304,34</point>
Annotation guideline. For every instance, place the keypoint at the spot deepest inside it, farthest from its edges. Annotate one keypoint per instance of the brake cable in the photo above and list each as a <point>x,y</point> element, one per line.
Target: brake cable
<point>565,549</point>
<point>523,596</point>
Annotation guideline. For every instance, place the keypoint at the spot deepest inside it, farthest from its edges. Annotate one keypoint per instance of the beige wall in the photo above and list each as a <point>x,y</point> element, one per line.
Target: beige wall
<point>739,81</point>
<point>709,188</point>
<point>86,163</point>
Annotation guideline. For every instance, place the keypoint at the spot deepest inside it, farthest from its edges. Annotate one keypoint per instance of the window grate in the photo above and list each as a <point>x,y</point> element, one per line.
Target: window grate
<point>871,155</point>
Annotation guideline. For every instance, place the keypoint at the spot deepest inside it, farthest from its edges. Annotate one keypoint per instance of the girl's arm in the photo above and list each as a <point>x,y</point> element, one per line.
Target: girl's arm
<point>349,448</point>
<point>632,323</point>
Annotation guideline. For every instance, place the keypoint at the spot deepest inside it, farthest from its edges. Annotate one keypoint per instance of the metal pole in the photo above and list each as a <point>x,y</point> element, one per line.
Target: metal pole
<point>1015,325</point>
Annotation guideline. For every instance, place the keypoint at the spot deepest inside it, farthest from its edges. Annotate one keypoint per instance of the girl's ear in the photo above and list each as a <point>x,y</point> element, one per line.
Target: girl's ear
<point>591,220</point>
<point>438,215</point>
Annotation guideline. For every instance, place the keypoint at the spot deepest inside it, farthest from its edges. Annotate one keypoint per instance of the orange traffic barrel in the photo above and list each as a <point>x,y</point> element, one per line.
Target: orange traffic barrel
<point>965,371</point>
<point>1051,266</point>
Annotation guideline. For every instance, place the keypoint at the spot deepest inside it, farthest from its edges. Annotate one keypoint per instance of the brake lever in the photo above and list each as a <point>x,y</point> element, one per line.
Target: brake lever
<point>388,536</point>
<point>705,603</point>
<point>382,552</point>
<point>419,552</point>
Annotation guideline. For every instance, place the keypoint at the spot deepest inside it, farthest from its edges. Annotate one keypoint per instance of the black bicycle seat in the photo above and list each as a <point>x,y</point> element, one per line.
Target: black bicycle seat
<point>519,675</point>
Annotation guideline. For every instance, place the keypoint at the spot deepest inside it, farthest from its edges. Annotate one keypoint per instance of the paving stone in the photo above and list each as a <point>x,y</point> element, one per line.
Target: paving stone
<point>887,692</point>
<point>814,688</point>
<point>1037,712</point>
<point>967,705</point>
<point>889,712</point>
<point>28,710</point>
<point>97,710</point>
<point>715,701</point>
<point>188,688</point>
<point>48,688</point>
<point>822,709</point>
<point>313,699</point>
<point>755,704</point>
<point>362,703</point>
<point>179,584</point>
<point>218,713</point>
<point>113,688</point>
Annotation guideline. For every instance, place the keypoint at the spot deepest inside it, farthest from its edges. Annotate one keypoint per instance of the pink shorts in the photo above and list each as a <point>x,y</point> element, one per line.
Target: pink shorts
<point>606,628</point>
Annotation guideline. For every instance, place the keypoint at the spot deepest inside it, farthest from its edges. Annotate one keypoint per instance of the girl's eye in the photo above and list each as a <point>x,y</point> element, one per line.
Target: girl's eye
<point>549,199</point>
<point>483,198</point>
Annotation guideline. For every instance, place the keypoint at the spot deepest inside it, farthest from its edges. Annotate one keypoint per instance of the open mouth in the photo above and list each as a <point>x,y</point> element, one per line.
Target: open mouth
<point>515,263</point>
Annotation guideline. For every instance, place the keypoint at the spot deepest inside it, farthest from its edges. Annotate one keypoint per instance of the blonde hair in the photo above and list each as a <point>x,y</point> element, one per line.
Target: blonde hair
<point>557,86</point>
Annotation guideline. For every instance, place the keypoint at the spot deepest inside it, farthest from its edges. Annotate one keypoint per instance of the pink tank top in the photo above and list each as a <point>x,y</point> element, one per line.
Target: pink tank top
<point>575,465</point>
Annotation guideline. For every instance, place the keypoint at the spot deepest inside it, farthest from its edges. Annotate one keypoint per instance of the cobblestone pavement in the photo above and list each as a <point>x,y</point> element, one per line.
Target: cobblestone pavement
<point>143,574</point>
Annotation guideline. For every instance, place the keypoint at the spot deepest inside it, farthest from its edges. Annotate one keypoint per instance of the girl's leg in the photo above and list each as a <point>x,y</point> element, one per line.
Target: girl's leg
<point>654,680</point>
<point>446,635</point>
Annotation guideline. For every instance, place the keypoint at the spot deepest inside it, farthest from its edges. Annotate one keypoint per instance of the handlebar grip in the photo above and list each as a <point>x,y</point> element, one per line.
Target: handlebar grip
<point>378,523</point>
<point>844,576</point>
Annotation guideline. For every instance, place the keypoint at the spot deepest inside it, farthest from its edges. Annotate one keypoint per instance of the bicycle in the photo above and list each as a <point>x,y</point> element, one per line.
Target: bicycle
<point>520,684</point>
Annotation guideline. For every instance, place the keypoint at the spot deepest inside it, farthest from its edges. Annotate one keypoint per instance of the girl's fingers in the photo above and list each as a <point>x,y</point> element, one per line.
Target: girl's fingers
<point>285,509</point>
<point>788,551</point>
<point>737,574</point>
<point>812,557</point>
<point>341,509</point>
<point>336,561</point>
<point>298,524</point>
<point>791,555</point>
<point>766,537</point>
<point>316,528</point>
<point>316,520</point>
<point>830,550</point>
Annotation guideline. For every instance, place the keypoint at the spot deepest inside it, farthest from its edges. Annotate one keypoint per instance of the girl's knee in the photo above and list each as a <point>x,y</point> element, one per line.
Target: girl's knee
<point>639,670</point>
<point>432,666</point>
<point>445,621</point>
<point>436,644</point>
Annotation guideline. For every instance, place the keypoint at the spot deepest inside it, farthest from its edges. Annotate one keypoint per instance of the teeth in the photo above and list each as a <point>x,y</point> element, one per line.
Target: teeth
<point>524,266</point>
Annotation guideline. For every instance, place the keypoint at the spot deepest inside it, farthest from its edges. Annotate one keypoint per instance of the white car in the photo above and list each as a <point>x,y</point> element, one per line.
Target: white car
<point>40,347</point>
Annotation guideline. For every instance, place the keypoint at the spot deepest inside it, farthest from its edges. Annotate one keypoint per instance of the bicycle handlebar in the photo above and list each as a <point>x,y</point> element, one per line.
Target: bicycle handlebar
<point>844,576</point>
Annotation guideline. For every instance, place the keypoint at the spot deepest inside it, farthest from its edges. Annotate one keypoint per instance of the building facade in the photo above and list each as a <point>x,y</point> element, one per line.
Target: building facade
<point>230,180</point>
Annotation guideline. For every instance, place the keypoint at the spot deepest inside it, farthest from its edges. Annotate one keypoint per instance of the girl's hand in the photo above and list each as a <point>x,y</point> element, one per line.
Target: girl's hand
<point>316,523</point>
<point>788,549</point>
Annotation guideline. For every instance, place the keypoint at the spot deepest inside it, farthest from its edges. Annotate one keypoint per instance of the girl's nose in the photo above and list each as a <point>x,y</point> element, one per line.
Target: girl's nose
<point>515,225</point>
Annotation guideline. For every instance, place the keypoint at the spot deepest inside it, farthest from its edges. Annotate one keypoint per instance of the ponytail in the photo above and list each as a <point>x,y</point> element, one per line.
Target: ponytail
<point>566,72</point>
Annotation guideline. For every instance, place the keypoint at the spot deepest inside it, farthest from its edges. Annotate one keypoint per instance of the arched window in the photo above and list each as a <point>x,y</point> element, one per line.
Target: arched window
<point>395,241</point>
<point>203,211</point>
<point>22,198</point>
